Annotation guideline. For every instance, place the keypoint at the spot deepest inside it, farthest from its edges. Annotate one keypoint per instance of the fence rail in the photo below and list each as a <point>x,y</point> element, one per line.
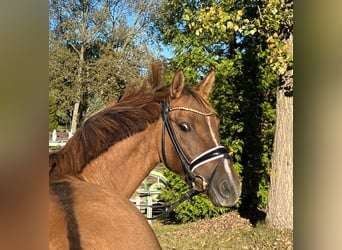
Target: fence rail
<point>144,202</point>
<point>57,143</point>
<point>59,139</point>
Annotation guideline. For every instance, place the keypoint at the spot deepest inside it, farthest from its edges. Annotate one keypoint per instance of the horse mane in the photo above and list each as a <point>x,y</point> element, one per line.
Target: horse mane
<point>112,124</point>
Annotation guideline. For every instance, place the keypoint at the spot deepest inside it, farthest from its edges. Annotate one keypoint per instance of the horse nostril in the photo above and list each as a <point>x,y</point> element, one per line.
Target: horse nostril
<point>225,189</point>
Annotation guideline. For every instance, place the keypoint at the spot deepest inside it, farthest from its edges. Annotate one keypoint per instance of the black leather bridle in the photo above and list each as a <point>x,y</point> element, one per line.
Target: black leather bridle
<point>189,167</point>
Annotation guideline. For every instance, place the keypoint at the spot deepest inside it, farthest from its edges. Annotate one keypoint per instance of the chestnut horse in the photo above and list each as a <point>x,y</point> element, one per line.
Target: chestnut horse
<point>93,176</point>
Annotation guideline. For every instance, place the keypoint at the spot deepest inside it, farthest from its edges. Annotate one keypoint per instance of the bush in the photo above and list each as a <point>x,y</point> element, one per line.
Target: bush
<point>199,207</point>
<point>53,121</point>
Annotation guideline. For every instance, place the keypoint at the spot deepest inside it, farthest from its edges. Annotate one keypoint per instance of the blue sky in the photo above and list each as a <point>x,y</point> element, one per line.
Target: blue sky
<point>166,50</point>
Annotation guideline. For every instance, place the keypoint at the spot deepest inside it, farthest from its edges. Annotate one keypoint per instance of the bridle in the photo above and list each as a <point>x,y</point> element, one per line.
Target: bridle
<point>189,166</point>
<point>218,152</point>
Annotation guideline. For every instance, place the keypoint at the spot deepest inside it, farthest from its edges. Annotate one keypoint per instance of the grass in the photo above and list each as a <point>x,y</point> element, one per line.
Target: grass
<point>54,148</point>
<point>216,234</point>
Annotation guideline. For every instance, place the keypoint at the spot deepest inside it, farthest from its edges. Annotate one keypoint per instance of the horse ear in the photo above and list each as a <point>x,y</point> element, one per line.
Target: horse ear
<point>177,85</point>
<point>204,87</point>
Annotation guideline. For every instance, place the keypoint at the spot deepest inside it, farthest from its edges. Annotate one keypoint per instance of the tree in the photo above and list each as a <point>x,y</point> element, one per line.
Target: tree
<point>74,27</point>
<point>53,122</point>
<point>224,35</point>
<point>62,68</point>
<point>280,205</point>
<point>96,48</point>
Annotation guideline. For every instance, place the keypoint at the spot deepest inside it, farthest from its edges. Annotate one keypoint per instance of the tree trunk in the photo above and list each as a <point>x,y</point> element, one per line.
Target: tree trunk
<point>280,204</point>
<point>75,117</point>
<point>79,84</point>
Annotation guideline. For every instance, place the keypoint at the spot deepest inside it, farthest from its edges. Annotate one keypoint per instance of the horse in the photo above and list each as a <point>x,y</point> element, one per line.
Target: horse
<point>93,176</point>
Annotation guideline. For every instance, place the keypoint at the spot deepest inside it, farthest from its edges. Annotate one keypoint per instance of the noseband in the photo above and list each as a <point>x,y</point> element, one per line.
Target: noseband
<point>189,167</point>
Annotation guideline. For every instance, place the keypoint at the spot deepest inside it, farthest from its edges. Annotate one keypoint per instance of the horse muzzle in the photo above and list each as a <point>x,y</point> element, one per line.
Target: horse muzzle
<point>223,186</point>
<point>224,194</point>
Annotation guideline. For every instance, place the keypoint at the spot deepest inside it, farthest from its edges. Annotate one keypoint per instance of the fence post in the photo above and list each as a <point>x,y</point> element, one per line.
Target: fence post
<point>137,203</point>
<point>54,135</point>
<point>149,208</point>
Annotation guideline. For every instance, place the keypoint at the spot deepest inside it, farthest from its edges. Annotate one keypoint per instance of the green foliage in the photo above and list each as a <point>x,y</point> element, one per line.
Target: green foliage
<point>243,42</point>
<point>53,121</point>
<point>199,207</point>
<point>95,51</point>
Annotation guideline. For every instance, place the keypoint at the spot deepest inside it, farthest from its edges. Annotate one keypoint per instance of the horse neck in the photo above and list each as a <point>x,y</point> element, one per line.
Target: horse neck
<point>124,166</point>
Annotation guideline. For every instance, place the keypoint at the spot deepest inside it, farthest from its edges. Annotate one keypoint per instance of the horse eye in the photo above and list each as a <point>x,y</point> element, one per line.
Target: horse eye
<point>185,127</point>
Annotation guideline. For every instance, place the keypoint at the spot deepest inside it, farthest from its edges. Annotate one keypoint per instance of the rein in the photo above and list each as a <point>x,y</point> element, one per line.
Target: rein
<point>189,167</point>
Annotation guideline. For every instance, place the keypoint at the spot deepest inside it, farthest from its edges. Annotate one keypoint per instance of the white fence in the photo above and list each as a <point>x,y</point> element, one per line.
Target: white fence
<point>53,142</point>
<point>144,202</point>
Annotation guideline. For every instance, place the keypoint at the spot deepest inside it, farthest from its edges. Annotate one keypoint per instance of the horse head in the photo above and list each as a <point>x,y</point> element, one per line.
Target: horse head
<point>191,144</point>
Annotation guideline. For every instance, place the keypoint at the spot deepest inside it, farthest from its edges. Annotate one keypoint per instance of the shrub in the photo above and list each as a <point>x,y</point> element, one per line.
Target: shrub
<point>199,207</point>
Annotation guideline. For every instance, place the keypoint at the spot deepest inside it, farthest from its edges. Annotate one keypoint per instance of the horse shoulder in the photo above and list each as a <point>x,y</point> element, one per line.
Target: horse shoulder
<point>109,221</point>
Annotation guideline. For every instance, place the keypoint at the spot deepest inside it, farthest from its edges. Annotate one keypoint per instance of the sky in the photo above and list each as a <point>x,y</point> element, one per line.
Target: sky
<point>166,50</point>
